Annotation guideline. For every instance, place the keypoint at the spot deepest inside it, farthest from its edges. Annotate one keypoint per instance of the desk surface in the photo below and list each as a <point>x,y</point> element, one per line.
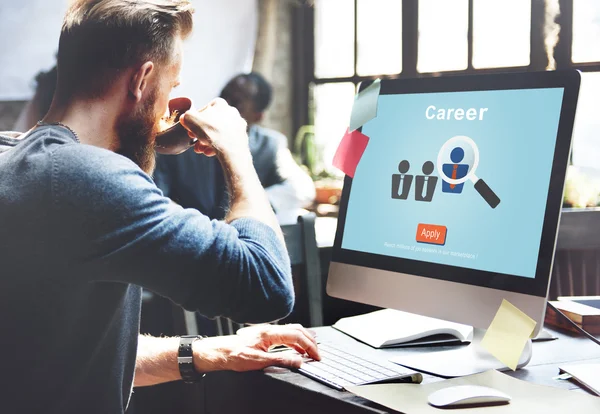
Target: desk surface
<point>280,390</point>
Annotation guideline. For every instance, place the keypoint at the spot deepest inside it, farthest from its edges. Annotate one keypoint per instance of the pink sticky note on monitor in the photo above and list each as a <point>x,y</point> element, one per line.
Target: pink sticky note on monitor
<point>350,151</point>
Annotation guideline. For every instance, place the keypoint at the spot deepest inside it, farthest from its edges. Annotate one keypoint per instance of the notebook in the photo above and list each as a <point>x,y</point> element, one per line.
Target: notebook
<point>391,328</point>
<point>584,315</point>
<point>593,301</point>
<point>586,374</point>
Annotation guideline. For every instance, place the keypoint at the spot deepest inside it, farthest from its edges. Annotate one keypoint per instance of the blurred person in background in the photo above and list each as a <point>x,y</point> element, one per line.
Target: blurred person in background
<point>199,182</point>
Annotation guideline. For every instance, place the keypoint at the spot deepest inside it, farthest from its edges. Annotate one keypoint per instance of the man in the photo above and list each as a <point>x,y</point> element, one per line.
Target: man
<point>83,227</point>
<point>198,182</point>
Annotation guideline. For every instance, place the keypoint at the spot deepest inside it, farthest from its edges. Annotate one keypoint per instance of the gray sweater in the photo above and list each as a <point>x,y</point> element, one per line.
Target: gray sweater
<point>81,230</point>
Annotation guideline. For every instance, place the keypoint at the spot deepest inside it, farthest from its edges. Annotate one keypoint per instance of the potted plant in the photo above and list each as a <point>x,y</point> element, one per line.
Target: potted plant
<point>308,153</point>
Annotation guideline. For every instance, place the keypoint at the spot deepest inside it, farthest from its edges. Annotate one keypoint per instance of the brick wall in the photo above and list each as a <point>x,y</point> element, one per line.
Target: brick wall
<point>273,59</point>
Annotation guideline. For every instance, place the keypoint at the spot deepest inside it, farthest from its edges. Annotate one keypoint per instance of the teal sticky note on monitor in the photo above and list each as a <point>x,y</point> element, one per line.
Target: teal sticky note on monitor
<point>365,105</point>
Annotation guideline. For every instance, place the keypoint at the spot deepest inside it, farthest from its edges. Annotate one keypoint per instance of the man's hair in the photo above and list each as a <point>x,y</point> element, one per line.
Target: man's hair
<point>261,91</point>
<point>99,38</point>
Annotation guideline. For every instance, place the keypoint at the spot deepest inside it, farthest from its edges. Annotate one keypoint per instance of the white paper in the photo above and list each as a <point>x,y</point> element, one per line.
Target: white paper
<point>389,327</point>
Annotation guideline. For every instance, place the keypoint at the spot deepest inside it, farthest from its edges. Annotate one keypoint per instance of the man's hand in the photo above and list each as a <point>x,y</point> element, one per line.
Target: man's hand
<point>221,131</point>
<point>219,128</point>
<point>248,350</point>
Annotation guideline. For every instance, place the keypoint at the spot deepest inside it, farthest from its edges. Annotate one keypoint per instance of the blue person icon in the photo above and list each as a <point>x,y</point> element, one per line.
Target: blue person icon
<point>455,170</point>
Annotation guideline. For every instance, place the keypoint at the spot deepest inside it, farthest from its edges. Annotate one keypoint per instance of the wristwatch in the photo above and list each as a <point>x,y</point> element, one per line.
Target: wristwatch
<point>185,359</point>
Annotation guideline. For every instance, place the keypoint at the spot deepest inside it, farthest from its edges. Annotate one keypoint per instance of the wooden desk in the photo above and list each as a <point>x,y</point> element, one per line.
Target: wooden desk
<point>282,391</point>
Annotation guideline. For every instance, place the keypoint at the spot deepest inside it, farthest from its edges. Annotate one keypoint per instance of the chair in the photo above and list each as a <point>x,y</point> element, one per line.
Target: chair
<point>301,242</point>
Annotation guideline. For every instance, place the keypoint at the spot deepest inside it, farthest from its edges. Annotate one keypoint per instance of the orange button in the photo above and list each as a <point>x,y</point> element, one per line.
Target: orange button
<point>431,233</point>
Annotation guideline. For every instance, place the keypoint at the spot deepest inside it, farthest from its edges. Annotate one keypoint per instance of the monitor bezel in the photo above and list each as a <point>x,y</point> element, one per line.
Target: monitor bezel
<point>538,286</point>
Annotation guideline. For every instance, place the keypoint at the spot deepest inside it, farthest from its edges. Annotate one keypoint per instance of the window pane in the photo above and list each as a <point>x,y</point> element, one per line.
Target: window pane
<point>501,33</point>
<point>332,104</point>
<point>334,38</point>
<point>443,27</point>
<point>586,31</point>
<point>586,140</point>
<point>379,37</point>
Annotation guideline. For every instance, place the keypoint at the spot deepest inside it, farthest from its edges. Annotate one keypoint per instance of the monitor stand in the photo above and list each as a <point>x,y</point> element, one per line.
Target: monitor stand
<point>461,361</point>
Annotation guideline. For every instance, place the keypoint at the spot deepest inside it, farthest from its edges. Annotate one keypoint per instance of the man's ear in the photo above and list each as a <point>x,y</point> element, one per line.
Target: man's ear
<point>139,80</point>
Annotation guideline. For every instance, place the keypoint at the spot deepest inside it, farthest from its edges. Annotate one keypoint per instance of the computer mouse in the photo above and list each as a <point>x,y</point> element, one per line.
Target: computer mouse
<point>461,395</point>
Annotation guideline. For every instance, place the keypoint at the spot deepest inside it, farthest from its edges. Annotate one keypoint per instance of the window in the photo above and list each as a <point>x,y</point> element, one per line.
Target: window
<point>586,31</point>
<point>586,133</point>
<point>583,33</point>
<point>443,42</point>
<point>334,38</point>
<point>333,104</point>
<point>379,40</point>
<point>355,40</point>
<point>501,33</point>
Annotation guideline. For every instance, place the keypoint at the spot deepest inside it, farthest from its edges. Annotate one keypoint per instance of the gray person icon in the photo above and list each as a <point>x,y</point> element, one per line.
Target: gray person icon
<point>403,180</point>
<point>425,182</point>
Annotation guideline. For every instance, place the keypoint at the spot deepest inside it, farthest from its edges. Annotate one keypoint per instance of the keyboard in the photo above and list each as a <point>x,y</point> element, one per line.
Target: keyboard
<point>340,368</point>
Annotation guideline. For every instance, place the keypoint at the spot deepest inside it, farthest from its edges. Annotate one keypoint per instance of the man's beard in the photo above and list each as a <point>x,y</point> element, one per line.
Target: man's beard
<point>137,134</point>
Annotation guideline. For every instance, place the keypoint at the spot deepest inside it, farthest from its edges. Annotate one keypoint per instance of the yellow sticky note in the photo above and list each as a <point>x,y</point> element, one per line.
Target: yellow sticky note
<point>508,333</point>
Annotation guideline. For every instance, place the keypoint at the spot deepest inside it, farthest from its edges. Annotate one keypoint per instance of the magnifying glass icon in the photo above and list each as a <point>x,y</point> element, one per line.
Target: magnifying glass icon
<point>471,158</point>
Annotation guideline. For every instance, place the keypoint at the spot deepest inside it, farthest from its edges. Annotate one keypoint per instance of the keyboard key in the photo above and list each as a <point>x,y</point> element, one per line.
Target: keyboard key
<point>339,368</point>
<point>329,376</point>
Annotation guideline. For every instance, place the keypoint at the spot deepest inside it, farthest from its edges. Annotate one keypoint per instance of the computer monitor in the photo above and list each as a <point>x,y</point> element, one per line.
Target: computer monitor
<point>455,203</point>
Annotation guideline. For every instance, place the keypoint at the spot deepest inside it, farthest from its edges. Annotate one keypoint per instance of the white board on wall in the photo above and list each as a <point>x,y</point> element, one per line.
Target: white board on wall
<point>221,46</point>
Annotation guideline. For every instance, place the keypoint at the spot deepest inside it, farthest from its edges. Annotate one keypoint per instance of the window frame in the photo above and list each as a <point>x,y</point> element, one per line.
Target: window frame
<point>304,50</point>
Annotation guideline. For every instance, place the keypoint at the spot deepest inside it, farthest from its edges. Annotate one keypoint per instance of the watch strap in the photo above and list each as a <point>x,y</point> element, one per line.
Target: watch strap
<point>185,358</point>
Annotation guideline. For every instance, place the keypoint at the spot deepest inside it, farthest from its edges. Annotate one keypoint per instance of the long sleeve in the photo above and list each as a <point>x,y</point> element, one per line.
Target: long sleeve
<point>288,187</point>
<point>122,229</point>
<point>297,189</point>
<point>163,176</point>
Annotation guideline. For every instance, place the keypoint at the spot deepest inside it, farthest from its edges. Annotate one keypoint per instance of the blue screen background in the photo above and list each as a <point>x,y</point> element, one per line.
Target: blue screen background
<point>516,141</point>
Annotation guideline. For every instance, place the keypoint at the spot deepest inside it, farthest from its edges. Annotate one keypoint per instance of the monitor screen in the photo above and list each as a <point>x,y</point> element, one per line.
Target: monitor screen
<point>455,203</point>
<point>456,178</point>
